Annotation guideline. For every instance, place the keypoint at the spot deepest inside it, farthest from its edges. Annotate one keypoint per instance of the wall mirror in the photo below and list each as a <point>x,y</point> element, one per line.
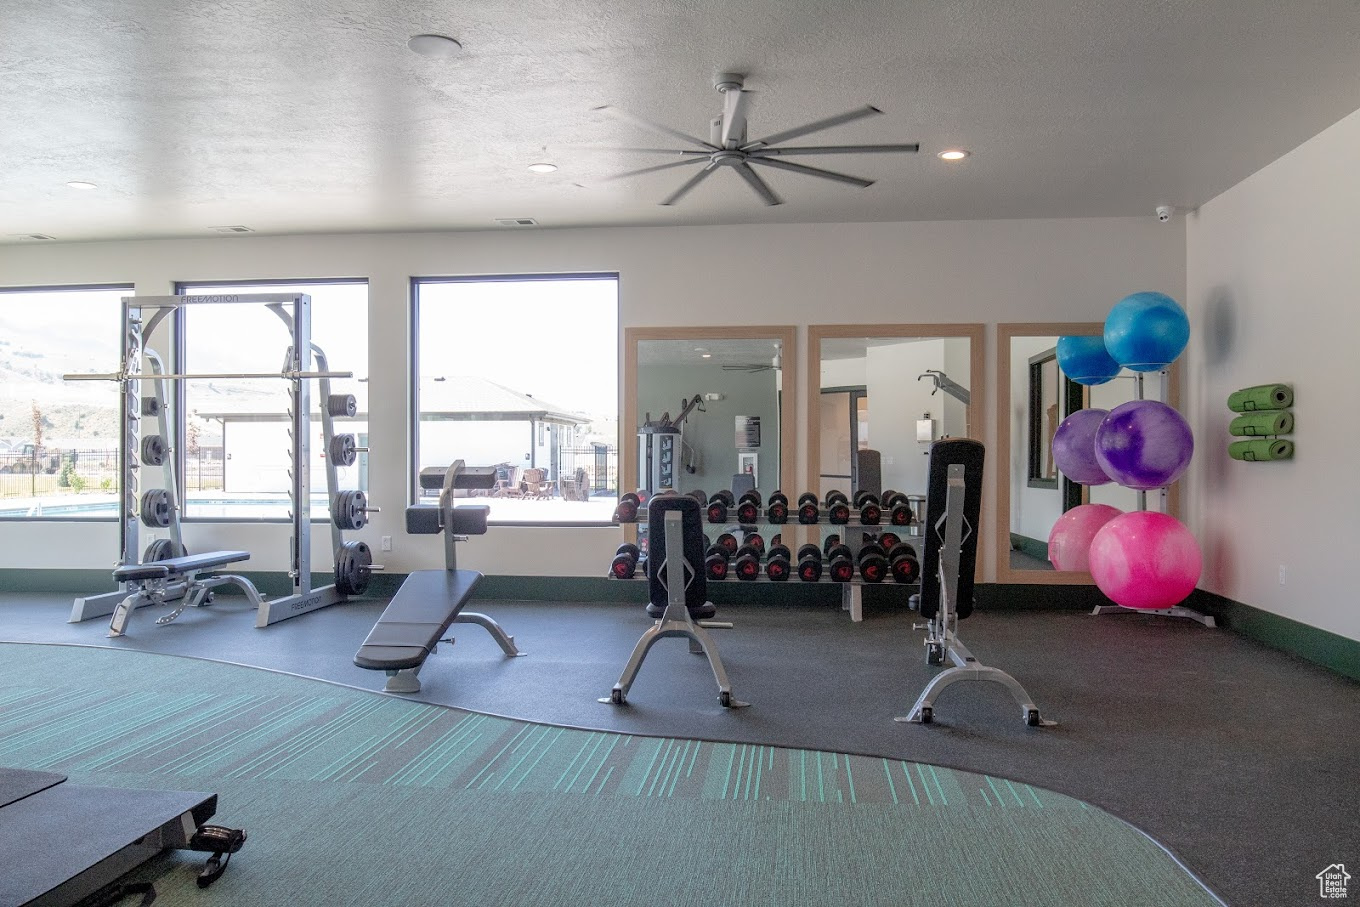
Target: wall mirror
<point>728,391</point>
<point>1033,399</point>
<point>880,394</point>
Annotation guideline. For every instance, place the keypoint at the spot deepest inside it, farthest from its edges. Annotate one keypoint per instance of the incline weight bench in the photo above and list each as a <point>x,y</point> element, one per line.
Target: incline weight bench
<point>429,601</point>
<point>677,592</point>
<point>953,502</point>
<point>156,582</point>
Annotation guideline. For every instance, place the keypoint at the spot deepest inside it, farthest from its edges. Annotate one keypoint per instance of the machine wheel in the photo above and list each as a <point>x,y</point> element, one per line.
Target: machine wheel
<point>1032,718</point>
<point>725,697</point>
<point>927,715</point>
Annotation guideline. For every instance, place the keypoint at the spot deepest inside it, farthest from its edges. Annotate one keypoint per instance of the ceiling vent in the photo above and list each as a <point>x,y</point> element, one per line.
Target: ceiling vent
<point>517,222</point>
<point>31,237</point>
<point>233,228</point>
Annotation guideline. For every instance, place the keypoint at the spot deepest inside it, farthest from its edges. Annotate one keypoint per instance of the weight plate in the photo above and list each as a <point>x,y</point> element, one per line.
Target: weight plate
<point>353,568</point>
<point>153,450</point>
<point>342,405</point>
<point>155,508</point>
<point>343,451</point>
<point>350,510</point>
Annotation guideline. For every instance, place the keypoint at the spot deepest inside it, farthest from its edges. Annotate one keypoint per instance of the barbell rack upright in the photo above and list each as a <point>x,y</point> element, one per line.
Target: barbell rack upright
<point>295,311</point>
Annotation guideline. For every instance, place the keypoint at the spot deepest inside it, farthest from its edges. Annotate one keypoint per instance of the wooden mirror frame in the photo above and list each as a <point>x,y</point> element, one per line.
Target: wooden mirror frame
<point>1002,470</point>
<point>818,332</point>
<point>786,335</point>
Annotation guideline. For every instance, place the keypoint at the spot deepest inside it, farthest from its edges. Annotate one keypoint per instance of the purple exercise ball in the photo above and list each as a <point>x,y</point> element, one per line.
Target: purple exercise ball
<point>1144,444</point>
<point>1074,447</point>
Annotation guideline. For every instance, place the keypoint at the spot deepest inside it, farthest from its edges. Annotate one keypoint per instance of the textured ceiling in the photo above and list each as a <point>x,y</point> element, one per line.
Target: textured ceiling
<point>291,116</point>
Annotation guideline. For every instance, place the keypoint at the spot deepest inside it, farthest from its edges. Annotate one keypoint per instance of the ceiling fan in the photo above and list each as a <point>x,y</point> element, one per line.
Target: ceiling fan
<point>728,145</point>
<point>774,363</point>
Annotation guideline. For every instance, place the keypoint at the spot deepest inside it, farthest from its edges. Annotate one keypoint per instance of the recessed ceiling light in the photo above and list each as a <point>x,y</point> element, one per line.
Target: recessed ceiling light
<point>706,356</point>
<point>701,349</point>
<point>434,45</point>
<point>953,154</point>
<point>543,167</point>
<point>81,184</point>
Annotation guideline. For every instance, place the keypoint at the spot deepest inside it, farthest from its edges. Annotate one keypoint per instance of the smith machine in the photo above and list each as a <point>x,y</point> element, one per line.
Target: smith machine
<point>166,572</point>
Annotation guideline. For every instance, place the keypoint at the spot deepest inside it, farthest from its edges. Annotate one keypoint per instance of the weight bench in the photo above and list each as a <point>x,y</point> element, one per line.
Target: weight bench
<point>152,582</point>
<point>430,601</point>
<point>949,561</point>
<point>677,593</point>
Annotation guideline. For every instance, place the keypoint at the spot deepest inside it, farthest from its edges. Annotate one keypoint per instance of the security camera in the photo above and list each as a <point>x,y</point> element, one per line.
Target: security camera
<point>1164,213</point>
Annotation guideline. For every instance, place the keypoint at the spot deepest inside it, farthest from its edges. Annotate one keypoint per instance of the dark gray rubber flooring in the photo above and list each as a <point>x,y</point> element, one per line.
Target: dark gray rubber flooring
<point>1242,761</point>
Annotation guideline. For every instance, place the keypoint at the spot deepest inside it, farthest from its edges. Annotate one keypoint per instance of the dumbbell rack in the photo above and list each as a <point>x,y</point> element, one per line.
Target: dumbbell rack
<point>852,592</point>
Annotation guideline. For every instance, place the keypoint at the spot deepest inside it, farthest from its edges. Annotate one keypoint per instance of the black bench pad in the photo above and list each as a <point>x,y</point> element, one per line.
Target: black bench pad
<point>418,615</point>
<point>175,566</point>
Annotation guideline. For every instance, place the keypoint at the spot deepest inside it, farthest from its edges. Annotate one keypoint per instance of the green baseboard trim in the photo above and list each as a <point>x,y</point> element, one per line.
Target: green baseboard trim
<point>1026,545</point>
<point>1321,647</point>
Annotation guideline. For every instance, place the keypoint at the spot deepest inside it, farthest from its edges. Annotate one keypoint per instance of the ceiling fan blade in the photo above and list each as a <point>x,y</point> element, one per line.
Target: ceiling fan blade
<point>655,127</point>
<point>666,166</point>
<point>787,134</point>
<point>762,188</point>
<point>735,104</point>
<point>693,181</point>
<point>836,149</point>
<point>811,171</point>
<point>614,149</point>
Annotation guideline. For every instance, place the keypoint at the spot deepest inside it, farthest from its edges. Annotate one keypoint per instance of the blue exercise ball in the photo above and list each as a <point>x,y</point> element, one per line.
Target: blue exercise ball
<point>1085,360</point>
<point>1146,331</point>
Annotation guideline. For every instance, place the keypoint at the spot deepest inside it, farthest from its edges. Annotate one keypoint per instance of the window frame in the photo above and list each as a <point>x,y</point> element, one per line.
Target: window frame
<point>413,373</point>
<point>124,289</point>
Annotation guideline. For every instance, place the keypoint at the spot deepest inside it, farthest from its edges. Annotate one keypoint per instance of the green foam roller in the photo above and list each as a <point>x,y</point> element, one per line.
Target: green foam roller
<point>1262,396</point>
<point>1263,424</point>
<point>1261,449</point>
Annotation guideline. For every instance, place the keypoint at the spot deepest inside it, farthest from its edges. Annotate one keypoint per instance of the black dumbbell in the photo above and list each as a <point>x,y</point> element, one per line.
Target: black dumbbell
<point>839,565</point>
<point>899,514</point>
<point>627,510</point>
<point>717,508</point>
<point>748,508</point>
<point>777,539</point>
<point>777,510</point>
<point>809,563</point>
<point>837,507</point>
<point>728,542</point>
<point>807,508</point>
<point>755,540</point>
<point>873,566</point>
<point>905,567</point>
<point>719,550</point>
<point>870,511</point>
<point>777,564</point>
<point>625,561</point>
<point>889,541</point>
<point>889,497</point>
<point>747,564</point>
<point>715,564</point>
<point>699,495</point>
<point>831,541</point>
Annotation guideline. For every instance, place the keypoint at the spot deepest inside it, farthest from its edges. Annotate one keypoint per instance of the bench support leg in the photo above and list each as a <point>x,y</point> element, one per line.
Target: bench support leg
<point>503,639</point>
<point>403,681</point>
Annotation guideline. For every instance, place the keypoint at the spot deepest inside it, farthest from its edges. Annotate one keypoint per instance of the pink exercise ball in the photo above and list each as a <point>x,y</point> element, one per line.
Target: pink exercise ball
<point>1069,540</point>
<point>1145,560</point>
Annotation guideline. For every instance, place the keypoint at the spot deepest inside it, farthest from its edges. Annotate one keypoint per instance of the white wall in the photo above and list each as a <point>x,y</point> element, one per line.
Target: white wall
<point>1273,277</point>
<point>896,401</point>
<point>952,271</point>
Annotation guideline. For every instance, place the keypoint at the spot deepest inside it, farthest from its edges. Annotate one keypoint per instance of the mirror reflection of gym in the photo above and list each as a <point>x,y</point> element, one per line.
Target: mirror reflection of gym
<point>1032,493</point>
<point>881,395</point>
<point>706,406</point>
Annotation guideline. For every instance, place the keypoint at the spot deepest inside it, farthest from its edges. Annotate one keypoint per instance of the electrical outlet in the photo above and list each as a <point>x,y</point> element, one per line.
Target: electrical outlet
<point>387,546</point>
<point>1284,574</point>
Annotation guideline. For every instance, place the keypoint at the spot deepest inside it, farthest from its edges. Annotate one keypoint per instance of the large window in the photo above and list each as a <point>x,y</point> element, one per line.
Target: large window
<point>59,439</point>
<point>521,373</point>
<point>237,443</point>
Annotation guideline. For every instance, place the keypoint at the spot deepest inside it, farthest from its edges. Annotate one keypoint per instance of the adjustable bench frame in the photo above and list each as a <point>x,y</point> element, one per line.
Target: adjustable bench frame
<point>942,641</point>
<point>679,578</point>
<point>159,582</point>
<point>430,601</point>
